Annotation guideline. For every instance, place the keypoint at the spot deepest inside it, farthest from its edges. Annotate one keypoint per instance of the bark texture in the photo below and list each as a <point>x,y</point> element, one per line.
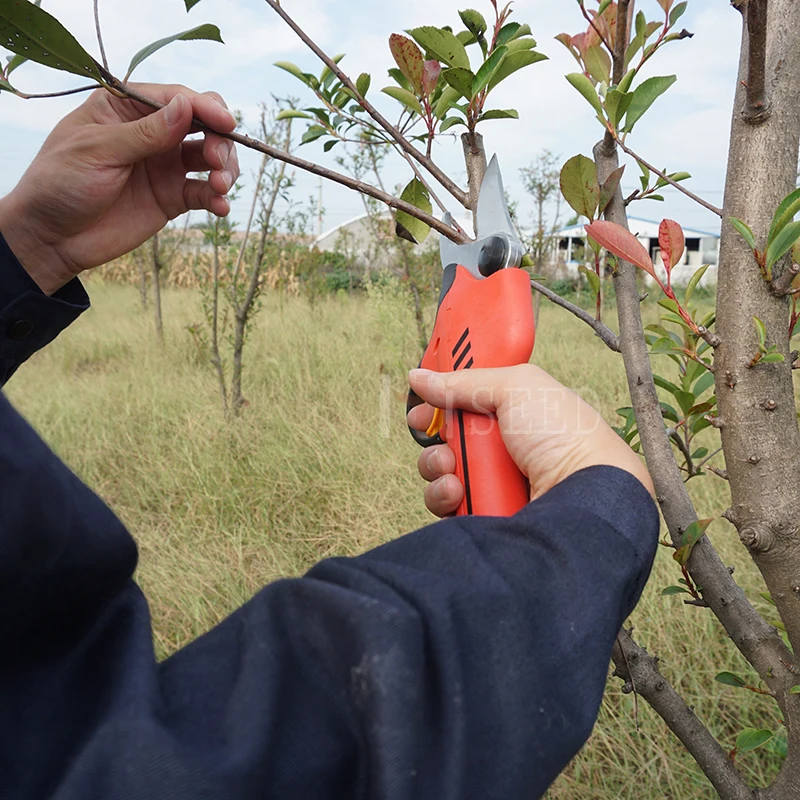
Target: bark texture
<point>756,404</point>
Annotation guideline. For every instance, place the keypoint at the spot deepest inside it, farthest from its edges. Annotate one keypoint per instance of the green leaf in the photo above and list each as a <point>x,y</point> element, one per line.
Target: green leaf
<point>750,739</point>
<point>579,185</point>
<point>664,346</point>
<point>598,63</point>
<point>663,383</point>
<point>516,45</point>
<point>761,331</point>
<point>448,99</point>
<point>591,277</point>
<point>677,12</point>
<point>670,590</point>
<point>327,75</point>
<point>190,4</point>
<point>417,195</point>
<point>644,96</point>
<point>744,232</point>
<point>499,113</point>
<point>291,113</point>
<point>405,97</point>
<point>795,690</point>
<point>363,83</point>
<point>585,87</point>
<point>487,71</point>
<point>773,358</point>
<point>617,105</point>
<point>768,597</point>
<point>5,86</point>
<point>401,79</point>
<point>786,212</point>
<point>474,22</point>
<point>603,6</point>
<point>313,133</point>
<point>703,384</point>
<point>514,62</point>
<point>782,243</point>
<point>627,81</point>
<point>328,146</point>
<point>694,282</point>
<point>449,122</point>
<point>209,33</point>
<point>730,679</point>
<point>293,69</point>
<point>462,80</point>
<point>701,452</point>
<point>27,30</point>
<point>507,33</point>
<point>691,536</point>
<point>442,44</point>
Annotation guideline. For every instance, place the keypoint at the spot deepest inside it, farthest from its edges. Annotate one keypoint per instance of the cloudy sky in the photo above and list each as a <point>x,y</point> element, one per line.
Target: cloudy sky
<point>686,130</point>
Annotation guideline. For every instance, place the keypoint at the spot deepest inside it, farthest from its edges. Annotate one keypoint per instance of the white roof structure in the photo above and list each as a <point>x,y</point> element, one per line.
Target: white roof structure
<point>641,228</point>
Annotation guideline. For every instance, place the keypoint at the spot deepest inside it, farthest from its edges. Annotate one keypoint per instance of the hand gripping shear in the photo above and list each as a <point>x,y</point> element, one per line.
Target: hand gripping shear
<point>485,319</point>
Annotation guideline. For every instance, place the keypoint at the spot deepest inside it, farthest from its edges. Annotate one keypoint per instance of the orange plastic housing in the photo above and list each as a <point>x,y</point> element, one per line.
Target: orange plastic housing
<point>482,323</point>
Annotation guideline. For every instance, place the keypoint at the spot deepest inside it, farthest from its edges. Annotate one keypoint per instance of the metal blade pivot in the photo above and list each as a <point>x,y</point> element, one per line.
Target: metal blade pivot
<point>493,216</point>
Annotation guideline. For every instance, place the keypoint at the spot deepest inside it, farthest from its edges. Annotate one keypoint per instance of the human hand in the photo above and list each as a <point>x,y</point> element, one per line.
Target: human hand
<point>111,175</point>
<point>548,430</point>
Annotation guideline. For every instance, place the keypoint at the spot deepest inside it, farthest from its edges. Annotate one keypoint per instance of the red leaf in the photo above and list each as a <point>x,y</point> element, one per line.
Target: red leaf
<point>430,76</point>
<point>579,42</point>
<point>671,242</point>
<point>409,58</point>
<point>622,243</point>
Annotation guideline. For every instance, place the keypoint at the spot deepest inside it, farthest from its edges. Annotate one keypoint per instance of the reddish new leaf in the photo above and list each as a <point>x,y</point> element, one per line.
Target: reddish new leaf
<point>430,76</point>
<point>622,243</point>
<point>671,242</point>
<point>409,58</point>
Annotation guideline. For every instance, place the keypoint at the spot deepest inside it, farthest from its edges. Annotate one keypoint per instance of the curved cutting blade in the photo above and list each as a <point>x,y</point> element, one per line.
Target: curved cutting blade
<point>493,216</point>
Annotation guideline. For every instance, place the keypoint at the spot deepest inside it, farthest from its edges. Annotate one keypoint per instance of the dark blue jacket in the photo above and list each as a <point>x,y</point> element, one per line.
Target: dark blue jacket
<point>466,660</point>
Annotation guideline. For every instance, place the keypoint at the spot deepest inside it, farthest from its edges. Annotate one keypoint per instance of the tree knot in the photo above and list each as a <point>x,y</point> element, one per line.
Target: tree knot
<point>756,538</point>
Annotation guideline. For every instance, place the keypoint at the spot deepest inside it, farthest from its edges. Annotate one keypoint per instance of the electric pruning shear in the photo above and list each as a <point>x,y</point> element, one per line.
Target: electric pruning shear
<point>485,319</point>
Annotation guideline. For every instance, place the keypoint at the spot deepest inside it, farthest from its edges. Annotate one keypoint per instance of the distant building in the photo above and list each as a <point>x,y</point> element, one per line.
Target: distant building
<point>702,248</point>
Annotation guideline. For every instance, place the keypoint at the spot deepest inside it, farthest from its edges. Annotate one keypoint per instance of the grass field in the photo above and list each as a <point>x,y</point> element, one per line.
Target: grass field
<point>320,465</point>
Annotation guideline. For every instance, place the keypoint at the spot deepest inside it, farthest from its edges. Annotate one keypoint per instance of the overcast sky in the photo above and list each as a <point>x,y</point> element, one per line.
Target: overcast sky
<point>686,130</point>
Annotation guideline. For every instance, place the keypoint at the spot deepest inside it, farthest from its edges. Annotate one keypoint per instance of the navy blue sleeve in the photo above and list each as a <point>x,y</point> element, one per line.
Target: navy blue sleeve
<point>466,660</point>
<point>29,319</point>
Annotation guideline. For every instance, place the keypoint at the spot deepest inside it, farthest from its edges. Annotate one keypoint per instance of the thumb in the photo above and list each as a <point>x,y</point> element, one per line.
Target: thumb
<point>153,134</point>
<point>471,390</point>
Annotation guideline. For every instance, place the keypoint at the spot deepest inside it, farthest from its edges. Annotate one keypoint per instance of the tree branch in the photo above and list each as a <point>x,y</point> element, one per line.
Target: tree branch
<point>640,672</point>
<point>64,93</point>
<point>782,285</point>
<point>665,177</point>
<point>308,166</point>
<point>757,108</point>
<point>603,331</point>
<point>421,158</point>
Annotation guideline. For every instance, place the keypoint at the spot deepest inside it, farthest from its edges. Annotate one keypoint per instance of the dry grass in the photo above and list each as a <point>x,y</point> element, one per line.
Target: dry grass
<point>321,464</point>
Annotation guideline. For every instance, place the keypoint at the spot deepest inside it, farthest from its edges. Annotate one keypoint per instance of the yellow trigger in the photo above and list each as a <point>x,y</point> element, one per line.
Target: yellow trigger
<point>437,424</point>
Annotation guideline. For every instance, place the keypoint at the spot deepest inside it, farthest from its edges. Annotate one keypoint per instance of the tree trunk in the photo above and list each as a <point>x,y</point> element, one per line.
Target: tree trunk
<point>756,404</point>
<point>216,357</point>
<point>156,277</point>
<point>140,262</point>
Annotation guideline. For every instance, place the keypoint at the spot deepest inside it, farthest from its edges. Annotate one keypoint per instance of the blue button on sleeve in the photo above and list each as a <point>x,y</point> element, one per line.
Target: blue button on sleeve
<point>29,319</point>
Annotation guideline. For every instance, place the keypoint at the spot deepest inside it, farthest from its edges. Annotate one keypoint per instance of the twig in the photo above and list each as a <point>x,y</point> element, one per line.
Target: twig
<point>99,33</point>
<point>757,107</point>
<point>638,668</point>
<point>684,448</point>
<point>782,285</point>
<point>308,166</point>
<point>601,329</point>
<point>665,177</point>
<point>707,459</point>
<point>597,30</point>
<point>421,158</point>
<point>65,93</point>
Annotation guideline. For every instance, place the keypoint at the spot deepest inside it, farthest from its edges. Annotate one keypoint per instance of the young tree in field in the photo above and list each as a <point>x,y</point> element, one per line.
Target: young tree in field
<point>734,366</point>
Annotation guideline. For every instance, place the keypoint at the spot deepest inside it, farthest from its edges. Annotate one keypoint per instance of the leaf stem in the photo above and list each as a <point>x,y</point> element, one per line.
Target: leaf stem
<point>409,148</point>
<point>65,93</point>
<point>99,33</point>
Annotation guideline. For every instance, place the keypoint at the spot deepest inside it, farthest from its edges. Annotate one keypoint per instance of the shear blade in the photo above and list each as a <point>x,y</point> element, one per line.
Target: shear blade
<point>493,216</point>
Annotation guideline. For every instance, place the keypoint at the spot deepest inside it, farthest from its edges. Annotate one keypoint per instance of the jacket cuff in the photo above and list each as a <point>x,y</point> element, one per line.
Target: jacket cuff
<point>29,319</point>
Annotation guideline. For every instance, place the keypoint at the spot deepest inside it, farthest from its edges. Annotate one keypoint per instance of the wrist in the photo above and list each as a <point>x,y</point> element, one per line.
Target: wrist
<point>39,258</point>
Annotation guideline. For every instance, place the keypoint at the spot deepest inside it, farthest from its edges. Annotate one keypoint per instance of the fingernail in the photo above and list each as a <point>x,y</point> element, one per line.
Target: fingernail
<point>418,373</point>
<point>224,152</point>
<point>175,110</point>
<point>440,489</point>
<point>227,178</point>
<point>434,462</point>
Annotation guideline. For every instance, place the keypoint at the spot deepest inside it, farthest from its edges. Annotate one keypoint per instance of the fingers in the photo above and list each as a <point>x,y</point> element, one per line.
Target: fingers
<point>222,162</point>
<point>209,108</point>
<point>471,390</point>
<point>421,417</point>
<point>199,195</point>
<point>444,496</point>
<point>436,461</point>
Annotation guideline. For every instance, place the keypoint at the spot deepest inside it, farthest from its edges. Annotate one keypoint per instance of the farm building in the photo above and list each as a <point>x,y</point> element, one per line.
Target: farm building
<point>702,248</point>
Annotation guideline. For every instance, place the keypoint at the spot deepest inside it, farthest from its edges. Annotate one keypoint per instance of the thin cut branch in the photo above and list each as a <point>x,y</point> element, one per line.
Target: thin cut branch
<point>640,672</point>
<point>603,331</point>
<point>665,177</point>
<point>782,285</point>
<point>308,166</point>
<point>426,162</point>
<point>757,106</point>
<point>99,33</point>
